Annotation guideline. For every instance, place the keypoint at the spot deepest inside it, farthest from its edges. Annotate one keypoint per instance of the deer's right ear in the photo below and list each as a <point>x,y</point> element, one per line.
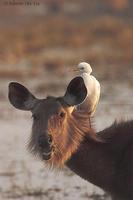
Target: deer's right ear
<point>76,92</point>
<point>20,97</point>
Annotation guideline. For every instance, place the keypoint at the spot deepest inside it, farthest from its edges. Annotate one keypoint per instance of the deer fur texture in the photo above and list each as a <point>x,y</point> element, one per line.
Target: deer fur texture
<point>62,135</point>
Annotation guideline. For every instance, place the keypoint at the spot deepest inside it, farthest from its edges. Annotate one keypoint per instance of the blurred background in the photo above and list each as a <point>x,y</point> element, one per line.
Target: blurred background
<point>41,41</point>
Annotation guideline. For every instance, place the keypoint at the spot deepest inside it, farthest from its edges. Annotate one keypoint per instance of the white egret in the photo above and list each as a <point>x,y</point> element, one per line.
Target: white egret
<point>92,86</point>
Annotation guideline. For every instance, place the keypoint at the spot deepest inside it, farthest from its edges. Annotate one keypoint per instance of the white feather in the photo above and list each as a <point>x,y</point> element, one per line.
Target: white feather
<point>93,89</point>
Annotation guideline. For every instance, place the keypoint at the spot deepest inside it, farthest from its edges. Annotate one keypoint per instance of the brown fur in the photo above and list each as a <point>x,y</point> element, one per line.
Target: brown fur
<point>73,129</point>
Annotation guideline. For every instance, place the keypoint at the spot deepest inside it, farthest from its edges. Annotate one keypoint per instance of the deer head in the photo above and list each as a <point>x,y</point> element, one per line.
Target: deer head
<point>57,128</point>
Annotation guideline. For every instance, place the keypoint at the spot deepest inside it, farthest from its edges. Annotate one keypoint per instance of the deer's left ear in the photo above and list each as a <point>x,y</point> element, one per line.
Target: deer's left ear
<point>76,92</point>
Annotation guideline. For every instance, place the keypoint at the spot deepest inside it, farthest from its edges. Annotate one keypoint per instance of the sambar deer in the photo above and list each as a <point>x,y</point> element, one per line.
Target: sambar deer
<point>62,135</point>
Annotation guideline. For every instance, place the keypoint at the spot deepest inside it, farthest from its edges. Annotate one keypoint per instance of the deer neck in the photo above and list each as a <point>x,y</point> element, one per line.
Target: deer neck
<point>94,163</point>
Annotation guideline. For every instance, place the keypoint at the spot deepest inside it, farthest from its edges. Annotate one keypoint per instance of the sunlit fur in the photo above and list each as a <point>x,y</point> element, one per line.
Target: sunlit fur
<point>73,130</point>
<point>67,132</point>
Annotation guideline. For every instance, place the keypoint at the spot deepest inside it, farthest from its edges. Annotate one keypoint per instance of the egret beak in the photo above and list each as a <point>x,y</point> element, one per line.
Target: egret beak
<point>75,69</point>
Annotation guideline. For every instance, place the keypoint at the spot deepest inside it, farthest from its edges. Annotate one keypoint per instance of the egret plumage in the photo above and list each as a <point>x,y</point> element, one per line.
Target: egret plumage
<point>92,86</point>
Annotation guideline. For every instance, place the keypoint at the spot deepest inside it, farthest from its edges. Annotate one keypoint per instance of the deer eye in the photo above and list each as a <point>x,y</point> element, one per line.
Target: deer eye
<point>62,114</point>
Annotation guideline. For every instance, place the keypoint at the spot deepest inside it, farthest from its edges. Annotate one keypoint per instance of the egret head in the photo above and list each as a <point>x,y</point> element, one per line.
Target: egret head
<point>84,67</point>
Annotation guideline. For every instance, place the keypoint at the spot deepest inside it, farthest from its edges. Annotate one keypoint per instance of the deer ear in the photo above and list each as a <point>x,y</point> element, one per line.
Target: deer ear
<point>20,97</point>
<point>76,92</point>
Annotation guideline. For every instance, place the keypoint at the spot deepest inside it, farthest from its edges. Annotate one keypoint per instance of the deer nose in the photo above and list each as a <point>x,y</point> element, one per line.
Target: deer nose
<point>45,142</point>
